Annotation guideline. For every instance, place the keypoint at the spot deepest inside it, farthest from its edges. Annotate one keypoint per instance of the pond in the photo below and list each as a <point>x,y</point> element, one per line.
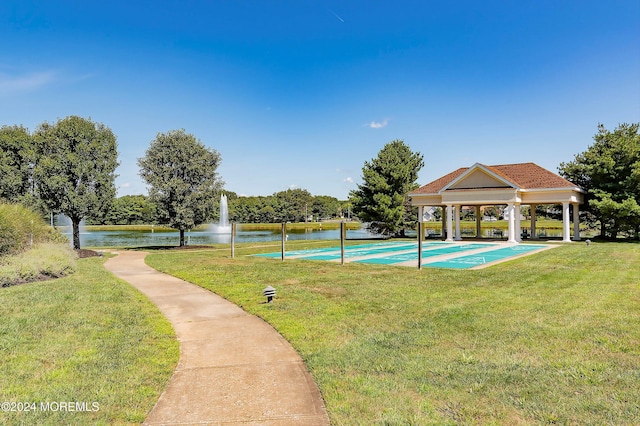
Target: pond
<point>128,238</point>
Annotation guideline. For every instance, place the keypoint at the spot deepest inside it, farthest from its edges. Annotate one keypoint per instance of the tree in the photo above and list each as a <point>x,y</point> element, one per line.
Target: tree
<point>74,171</point>
<point>16,162</point>
<point>324,206</point>
<point>130,210</point>
<point>382,199</point>
<point>292,205</point>
<point>610,173</point>
<point>182,179</point>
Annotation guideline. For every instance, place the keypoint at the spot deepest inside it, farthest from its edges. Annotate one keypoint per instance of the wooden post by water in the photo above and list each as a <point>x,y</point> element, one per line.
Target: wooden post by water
<point>233,240</point>
<point>343,234</point>
<point>420,231</point>
<point>284,237</point>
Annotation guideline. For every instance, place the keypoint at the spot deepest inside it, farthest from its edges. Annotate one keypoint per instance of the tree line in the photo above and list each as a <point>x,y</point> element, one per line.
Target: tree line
<point>292,205</point>
<point>69,167</point>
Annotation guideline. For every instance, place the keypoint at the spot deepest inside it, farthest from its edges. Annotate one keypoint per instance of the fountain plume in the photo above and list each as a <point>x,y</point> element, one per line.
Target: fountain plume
<point>223,226</point>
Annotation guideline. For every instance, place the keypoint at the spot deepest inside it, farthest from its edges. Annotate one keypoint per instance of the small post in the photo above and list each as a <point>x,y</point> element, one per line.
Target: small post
<point>284,237</point>
<point>343,232</point>
<point>420,230</point>
<point>233,240</point>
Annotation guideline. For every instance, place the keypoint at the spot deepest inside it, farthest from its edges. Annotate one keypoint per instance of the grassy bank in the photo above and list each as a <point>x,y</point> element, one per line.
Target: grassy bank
<point>545,339</point>
<point>541,224</point>
<point>86,338</point>
<point>317,226</point>
<point>466,225</point>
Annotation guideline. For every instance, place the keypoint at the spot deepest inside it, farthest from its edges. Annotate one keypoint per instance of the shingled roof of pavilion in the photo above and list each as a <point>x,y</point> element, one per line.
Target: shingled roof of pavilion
<point>521,175</point>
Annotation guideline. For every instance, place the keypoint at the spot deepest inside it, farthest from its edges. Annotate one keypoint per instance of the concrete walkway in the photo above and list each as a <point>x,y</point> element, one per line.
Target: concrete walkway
<point>234,368</point>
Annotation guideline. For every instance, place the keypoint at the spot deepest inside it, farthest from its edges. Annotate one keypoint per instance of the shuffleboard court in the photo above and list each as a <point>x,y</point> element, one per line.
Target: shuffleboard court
<point>426,253</point>
<point>352,251</point>
<point>450,255</point>
<point>311,252</point>
<point>472,261</point>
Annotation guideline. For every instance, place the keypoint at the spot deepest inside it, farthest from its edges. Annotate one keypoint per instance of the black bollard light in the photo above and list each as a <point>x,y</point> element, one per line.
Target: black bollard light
<point>270,292</point>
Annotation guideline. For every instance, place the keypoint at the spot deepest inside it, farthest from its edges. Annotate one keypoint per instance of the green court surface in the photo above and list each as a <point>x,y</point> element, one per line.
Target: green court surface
<point>428,250</point>
<point>351,252</point>
<point>472,261</point>
<point>452,255</point>
<point>317,254</point>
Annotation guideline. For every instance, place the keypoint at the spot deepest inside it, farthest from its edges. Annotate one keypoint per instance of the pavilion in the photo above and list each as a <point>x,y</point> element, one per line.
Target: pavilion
<point>509,184</point>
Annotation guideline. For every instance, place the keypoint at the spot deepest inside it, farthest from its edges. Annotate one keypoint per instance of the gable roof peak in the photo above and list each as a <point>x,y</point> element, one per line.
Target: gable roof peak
<point>488,178</point>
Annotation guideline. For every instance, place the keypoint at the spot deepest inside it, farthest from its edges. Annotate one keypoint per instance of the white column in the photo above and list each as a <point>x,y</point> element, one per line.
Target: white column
<point>420,219</point>
<point>457,217</point>
<point>511,209</point>
<point>449,222</point>
<point>517,223</point>
<point>532,209</point>
<point>576,222</point>
<point>566,235</point>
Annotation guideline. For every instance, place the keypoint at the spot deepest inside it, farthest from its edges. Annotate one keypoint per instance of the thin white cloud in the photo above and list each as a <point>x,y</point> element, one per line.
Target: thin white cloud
<point>28,82</point>
<point>336,15</point>
<point>349,180</point>
<point>293,186</point>
<point>378,125</point>
<point>341,171</point>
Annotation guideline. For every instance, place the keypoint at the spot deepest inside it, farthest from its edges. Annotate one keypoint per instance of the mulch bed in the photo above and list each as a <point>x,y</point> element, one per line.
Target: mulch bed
<point>83,253</point>
<point>170,247</point>
<point>187,247</point>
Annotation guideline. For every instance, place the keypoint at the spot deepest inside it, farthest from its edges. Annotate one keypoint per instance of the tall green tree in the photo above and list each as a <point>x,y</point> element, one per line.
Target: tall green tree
<point>609,170</point>
<point>16,162</point>
<point>325,206</point>
<point>74,171</point>
<point>293,204</point>
<point>182,178</point>
<point>382,199</point>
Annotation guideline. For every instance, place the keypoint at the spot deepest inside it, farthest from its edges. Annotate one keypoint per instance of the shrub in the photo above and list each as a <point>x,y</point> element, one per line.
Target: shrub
<point>44,260</point>
<point>29,249</point>
<point>21,228</point>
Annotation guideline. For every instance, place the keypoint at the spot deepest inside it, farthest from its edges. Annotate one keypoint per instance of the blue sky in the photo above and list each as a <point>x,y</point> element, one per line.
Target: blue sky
<point>299,94</point>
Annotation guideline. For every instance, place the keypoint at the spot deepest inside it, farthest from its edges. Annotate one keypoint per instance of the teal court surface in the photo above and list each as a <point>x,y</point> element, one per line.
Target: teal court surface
<point>435,254</point>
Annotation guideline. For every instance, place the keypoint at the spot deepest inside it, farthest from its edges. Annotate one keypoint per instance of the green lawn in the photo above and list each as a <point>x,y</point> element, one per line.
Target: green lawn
<point>88,338</point>
<point>552,338</point>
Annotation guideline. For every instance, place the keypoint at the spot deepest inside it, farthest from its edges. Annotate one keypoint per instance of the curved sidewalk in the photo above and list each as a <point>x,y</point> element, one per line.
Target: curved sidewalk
<point>234,368</point>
